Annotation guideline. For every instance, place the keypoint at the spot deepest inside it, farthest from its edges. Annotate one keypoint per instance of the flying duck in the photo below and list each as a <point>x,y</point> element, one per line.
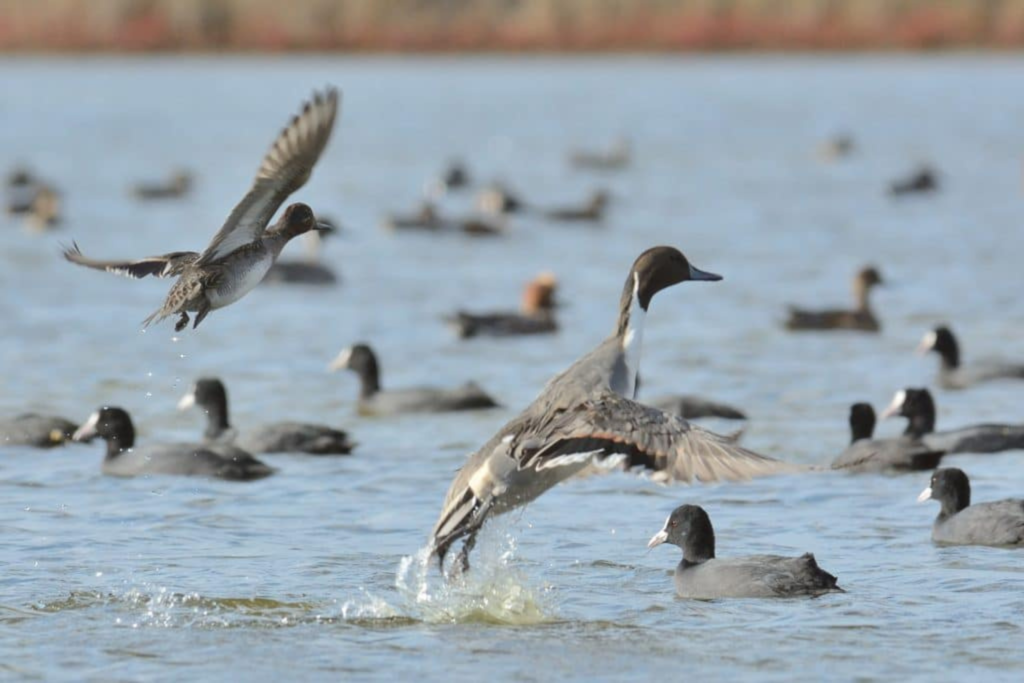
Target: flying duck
<point>32,429</point>
<point>270,437</point>
<point>243,250</point>
<point>865,454</point>
<point>1000,523</point>
<point>373,400</point>
<point>918,407</point>
<point>535,316</point>
<point>860,318</point>
<point>587,414</point>
<point>123,459</point>
<point>702,576</point>
<point>952,375</point>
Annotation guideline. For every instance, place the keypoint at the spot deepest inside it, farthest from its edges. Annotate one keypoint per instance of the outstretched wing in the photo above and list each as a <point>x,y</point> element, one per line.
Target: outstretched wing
<point>285,168</point>
<point>611,425</point>
<point>167,265</point>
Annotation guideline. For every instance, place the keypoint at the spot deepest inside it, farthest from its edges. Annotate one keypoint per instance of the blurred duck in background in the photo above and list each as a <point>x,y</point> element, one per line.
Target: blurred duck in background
<point>953,375</point>
<point>38,431</point>
<point>44,213</point>
<point>617,157</point>
<point>866,454</point>
<point>21,187</point>
<point>375,400</point>
<point>860,318</point>
<point>918,407</point>
<point>498,199</point>
<point>535,316</point>
<point>124,459</point>
<point>427,219</point>
<point>837,147</point>
<point>925,179</point>
<point>210,395</point>
<point>592,211</point>
<point>454,177</point>
<point>177,185</point>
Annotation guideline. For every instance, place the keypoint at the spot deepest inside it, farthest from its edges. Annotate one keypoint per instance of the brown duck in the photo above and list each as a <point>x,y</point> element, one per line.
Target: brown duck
<point>244,249</point>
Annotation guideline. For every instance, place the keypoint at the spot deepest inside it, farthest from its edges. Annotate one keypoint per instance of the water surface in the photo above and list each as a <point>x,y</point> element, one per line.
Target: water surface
<point>313,572</point>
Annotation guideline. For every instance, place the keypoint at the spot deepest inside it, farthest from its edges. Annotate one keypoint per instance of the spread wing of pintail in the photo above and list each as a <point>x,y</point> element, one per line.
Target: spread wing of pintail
<point>285,168</point>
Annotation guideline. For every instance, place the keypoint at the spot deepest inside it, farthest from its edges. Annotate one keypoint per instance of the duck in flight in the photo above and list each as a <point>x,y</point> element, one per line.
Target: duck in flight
<point>587,414</point>
<point>244,249</point>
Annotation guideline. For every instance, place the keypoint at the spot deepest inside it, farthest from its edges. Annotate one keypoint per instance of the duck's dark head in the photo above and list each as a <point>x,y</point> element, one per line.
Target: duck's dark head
<point>659,268</point>
<point>688,527</point>
<point>207,393</point>
<point>917,406</point>
<point>211,396</point>
<point>299,219</point>
<point>111,424</point>
<point>862,421</point>
<point>869,276</point>
<point>951,487</point>
<point>941,341</point>
<point>360,359</point>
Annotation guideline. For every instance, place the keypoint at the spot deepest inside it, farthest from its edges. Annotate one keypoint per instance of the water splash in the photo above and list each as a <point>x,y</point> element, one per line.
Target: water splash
<point>494,591</point>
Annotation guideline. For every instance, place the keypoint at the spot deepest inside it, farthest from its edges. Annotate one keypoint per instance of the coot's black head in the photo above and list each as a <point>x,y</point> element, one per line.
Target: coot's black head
<point>913,404</point>
<point>659,268</point>
<point>109,423</point>
<point>862,421</point>
<point>358,358</point>
<point>942,341</point>
<point>208,393</point>
<point>688,527</point>
<point>951,487</point>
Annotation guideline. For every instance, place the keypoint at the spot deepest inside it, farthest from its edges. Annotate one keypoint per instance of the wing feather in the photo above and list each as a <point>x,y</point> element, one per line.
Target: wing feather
<point>166,265</point>
<point>285,168</point>
<point>654,440</point>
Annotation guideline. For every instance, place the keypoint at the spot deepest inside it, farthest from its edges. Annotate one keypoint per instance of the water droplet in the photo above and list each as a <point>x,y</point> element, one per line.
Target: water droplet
<point>181,355</point>
<point>149,394</point>
<point>99,574</point>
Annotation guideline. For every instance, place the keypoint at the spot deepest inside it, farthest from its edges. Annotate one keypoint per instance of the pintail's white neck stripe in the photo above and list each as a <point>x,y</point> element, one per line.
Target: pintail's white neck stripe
<point>632,339</point>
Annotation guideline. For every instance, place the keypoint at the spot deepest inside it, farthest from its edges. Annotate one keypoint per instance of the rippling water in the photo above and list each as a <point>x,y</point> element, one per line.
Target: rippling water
<point>315,570</point>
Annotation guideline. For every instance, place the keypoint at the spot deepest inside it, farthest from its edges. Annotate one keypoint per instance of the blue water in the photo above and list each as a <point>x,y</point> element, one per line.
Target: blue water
<point>313,573</point>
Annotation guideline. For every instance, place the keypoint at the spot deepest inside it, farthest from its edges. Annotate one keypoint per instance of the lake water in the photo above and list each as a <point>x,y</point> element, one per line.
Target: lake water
<point>313,573</point>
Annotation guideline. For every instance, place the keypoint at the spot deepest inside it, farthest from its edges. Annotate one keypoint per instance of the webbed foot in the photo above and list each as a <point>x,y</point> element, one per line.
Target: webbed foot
<point>182,322</point>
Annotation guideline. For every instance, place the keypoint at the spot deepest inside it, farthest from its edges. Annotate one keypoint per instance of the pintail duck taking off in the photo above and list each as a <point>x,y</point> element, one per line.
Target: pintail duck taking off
<point>243,249</point>
<point>587,414</point>
<point>860,318</point>
<point>953,375</point>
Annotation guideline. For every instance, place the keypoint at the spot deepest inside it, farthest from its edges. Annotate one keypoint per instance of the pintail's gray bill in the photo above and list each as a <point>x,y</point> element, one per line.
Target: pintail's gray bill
<point>698,274</point>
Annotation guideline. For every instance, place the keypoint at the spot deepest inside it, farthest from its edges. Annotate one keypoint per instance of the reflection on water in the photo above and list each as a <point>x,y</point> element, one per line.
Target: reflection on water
<point>314,572</point>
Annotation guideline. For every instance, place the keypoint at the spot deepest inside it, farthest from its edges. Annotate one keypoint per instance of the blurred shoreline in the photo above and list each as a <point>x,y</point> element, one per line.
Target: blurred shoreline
<point>544,26</point>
